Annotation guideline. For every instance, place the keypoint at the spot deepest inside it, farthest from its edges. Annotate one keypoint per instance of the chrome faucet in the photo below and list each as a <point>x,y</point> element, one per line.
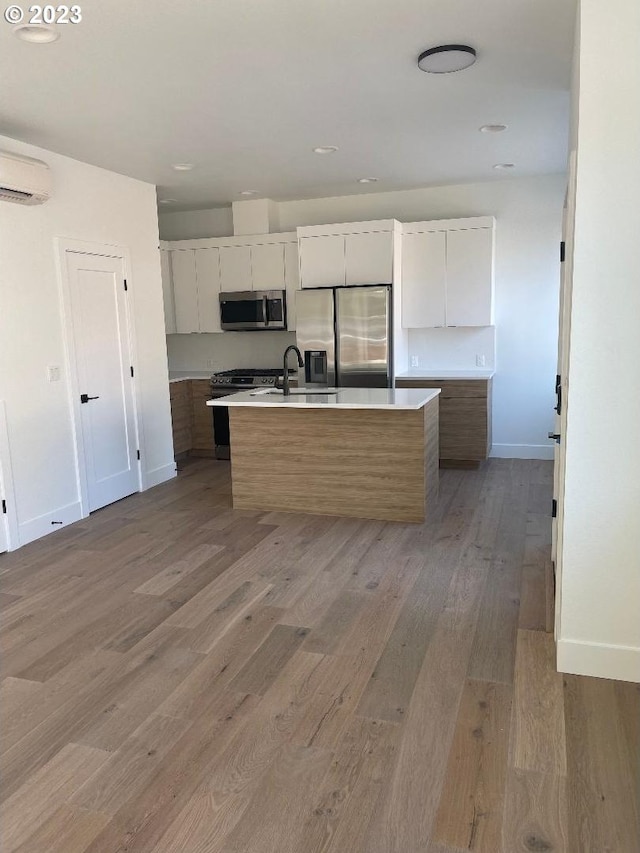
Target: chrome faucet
<point>285,376</point>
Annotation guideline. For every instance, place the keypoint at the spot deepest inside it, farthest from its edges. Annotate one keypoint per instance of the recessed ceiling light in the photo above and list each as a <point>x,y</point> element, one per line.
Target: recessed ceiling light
<point>167,200</point>
<point>492,128</point>
<point>446,58</point>
<point>248,192</point>
<point>325,149</point>
<point>367,180</point>
<point>36,34</point>
<point>182,167</point>
<point>504,166</point>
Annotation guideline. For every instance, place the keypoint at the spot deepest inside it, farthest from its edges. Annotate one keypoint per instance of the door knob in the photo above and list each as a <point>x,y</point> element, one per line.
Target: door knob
<point>84,398</point>
<point>555,436</point>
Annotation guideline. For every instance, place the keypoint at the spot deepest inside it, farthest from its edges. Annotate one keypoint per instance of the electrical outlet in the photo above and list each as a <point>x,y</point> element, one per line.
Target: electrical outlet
<point>415,361</point>
<point>53,373</point>
<point>211,362</point>
<point>480,360</point>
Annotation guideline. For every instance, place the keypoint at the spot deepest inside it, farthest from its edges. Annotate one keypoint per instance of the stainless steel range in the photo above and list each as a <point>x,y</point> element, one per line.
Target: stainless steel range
<point>228,382</point>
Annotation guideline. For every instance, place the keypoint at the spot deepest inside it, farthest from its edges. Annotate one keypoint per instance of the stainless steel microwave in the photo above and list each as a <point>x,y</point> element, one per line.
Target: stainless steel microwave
<point>253,310</point>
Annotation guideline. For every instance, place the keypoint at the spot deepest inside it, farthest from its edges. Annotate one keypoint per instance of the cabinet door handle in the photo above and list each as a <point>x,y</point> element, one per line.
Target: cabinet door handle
<point>84,398</point>
<point>555,436</point>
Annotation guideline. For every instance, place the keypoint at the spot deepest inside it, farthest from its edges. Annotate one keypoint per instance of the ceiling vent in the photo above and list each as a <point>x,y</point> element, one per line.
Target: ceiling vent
<point>23,180</point>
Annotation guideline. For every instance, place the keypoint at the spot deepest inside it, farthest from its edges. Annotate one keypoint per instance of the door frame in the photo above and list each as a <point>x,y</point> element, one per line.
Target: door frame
<point>7,491</point>
<point>82,247</point>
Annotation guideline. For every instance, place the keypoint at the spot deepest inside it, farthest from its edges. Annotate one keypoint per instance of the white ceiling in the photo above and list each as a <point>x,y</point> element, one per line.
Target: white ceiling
<point>244,89</point>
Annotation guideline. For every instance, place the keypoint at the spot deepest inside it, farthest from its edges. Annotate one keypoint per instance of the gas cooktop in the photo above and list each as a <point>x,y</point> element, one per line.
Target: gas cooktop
<point>251,371</point>
<point>243,377</point>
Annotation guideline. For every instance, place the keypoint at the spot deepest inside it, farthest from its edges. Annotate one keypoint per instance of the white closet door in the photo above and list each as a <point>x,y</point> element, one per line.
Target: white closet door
<point>4,534</point>
<point>103,367</point>
<point>185,290</point>
<point>424,280</point>
<point>208,278</point>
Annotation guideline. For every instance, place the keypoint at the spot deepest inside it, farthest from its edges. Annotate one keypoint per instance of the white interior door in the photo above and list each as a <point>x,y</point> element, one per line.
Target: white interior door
<point>4,532</point>
<point>9,538</point>
<point>562,387</point>
<point>103,368</point>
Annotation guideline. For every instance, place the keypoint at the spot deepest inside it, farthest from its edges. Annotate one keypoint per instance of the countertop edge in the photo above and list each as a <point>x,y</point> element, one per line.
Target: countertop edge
<point>261,401</point>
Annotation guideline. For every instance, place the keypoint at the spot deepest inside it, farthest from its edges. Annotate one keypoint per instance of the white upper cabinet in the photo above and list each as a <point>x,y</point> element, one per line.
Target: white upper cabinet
<point>369,258</point>
<point>349,253</point>
<point>194,272</point>
<point>185,290</point>
<point>268,266</point>
<point>424,279</point>
<point>322,261</point>
<point>470,277</point>
<point>167,292</point>
<point>208,280</point>
<point>292,282</point>
<point>447,273</point>
<point>235,268</point>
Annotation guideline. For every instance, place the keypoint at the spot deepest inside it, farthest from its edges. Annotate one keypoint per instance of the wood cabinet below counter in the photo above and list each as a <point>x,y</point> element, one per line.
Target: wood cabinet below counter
<point>192,420</point>
<point>465,419</point>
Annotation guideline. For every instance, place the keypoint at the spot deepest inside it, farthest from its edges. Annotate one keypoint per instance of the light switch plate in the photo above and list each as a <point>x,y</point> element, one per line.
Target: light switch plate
<point>53,373</point>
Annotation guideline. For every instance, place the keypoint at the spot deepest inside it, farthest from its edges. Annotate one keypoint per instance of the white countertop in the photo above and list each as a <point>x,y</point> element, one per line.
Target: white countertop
<point>468,373</point>
<point>344,398</point>
<point>180,375</point>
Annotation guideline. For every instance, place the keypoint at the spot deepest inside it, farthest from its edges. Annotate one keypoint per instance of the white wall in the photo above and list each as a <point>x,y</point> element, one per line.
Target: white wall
<point>88,204</point>
<point>453,349</point>
<point>194,224</point>
<point>529,222</point>
<point>599,625</point>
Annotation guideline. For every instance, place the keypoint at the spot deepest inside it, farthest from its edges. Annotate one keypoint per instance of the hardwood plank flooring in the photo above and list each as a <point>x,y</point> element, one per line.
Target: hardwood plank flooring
<point>182,676</point>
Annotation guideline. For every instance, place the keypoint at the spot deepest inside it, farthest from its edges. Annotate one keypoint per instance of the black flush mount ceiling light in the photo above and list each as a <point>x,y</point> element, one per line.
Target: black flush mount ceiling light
<point>446,58</point>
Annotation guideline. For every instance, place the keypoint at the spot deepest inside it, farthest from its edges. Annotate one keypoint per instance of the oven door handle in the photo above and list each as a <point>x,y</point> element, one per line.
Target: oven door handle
<point>265,310</point>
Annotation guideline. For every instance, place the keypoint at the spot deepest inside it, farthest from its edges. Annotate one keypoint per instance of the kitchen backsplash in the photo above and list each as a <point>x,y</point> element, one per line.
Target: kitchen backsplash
<point>227,350</point>
<point>456,348</point>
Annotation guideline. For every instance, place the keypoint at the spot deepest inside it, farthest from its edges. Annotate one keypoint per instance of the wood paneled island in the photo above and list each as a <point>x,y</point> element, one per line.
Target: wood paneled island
<point>362,452</point>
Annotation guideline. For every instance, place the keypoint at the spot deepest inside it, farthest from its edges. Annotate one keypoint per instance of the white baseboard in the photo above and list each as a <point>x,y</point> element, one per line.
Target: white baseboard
<point>158,475</point>
<point>522,451</point>
<point>599,660</point>
<point>42,525</point>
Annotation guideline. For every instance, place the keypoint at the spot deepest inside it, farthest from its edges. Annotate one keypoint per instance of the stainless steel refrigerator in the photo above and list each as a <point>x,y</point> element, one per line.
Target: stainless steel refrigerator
<point>344,334</point>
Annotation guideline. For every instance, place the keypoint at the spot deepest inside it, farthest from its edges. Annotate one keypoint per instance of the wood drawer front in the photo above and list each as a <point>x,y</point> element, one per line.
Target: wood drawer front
<point>463,428</point>
<point>450,387</point>
<point>202,416</point>
<point>181,415</point>
<point>465,416</point>
<point>180,390</point>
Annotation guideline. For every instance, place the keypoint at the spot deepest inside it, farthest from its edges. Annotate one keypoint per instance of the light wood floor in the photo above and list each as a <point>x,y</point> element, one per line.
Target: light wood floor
<point>180,677</point>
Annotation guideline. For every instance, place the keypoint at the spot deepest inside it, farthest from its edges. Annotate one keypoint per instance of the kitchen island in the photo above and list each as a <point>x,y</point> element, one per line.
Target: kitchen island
<point>362,452</point>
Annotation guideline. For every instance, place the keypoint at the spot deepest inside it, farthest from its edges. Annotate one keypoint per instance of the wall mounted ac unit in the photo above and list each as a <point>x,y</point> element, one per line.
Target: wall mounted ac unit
<point>23,180</point>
